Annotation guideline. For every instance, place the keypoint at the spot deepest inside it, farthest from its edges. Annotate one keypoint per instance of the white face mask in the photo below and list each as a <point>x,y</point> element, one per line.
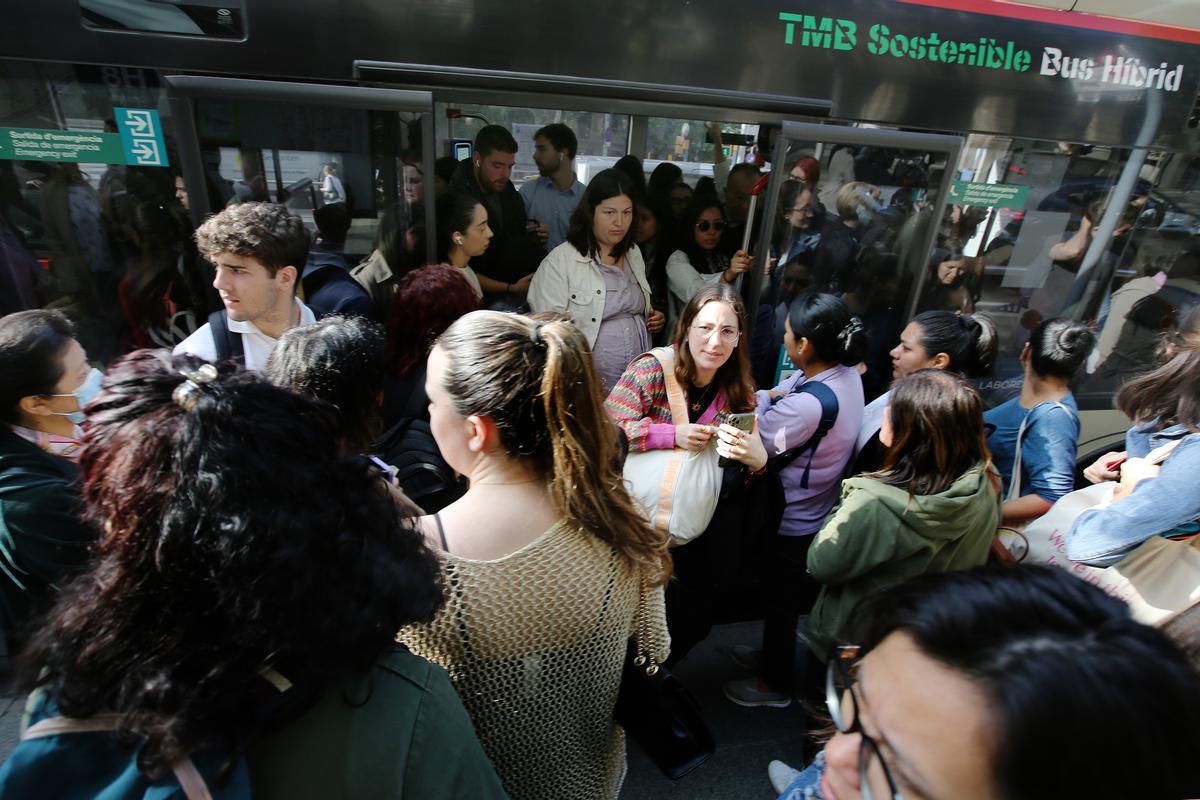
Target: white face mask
<point>83,395</point>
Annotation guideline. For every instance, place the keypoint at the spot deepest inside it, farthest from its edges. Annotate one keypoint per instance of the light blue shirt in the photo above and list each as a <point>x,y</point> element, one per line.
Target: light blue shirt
<point>551,206</point>
<point>1166,505</point>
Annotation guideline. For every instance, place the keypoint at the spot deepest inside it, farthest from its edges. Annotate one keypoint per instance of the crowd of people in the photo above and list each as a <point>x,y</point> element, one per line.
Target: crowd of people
<point>375,533</point>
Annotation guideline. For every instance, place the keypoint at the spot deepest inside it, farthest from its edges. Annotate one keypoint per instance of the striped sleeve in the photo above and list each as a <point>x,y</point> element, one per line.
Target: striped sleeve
<point>639,405</point>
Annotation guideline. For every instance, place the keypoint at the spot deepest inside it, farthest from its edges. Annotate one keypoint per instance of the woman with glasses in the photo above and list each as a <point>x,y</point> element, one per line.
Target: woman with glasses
<point>712,367</point>
<point>1000,683</point>
<point>598,278</point>
<point>826,342</point>
<point>697,263</point>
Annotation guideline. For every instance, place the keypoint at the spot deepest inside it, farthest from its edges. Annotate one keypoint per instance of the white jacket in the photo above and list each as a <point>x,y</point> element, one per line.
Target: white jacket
<point>569,282</point>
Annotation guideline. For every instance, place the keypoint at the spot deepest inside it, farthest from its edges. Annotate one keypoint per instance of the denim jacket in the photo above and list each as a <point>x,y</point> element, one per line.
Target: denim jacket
<point>1103,536</point>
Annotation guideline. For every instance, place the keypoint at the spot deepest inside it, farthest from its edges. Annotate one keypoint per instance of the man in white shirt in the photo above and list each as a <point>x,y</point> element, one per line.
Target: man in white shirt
<point>551,199</point>
<point>257,250</point>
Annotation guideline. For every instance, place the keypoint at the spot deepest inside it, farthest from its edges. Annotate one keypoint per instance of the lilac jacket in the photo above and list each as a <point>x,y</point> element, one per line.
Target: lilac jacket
<point>790,422</point>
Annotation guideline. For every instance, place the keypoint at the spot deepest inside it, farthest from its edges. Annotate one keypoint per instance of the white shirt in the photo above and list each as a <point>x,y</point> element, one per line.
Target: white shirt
<point>258,345</point>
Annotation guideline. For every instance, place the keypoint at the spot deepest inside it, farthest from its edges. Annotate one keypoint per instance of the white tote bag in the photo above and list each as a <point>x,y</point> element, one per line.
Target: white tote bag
<point>677,489</point>
<point>1158,579</point>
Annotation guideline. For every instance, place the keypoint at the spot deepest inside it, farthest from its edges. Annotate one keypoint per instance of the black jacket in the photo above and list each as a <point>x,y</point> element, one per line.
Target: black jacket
<point>514,251</point>
<point>43,538</point>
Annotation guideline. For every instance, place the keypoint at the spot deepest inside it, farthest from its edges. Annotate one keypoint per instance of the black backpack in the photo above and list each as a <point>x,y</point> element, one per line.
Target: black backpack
<point>421,471</point>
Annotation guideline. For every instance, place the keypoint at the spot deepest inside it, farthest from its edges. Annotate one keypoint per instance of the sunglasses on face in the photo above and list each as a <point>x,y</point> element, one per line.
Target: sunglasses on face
<point>704,225</point>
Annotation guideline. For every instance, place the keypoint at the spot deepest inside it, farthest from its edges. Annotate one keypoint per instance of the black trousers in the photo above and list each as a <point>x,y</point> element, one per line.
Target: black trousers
<point>789,591</point>
<point>705,568</point>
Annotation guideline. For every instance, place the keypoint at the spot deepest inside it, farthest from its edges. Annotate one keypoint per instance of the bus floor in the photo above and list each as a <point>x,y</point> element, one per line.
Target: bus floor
<point>747,738</point>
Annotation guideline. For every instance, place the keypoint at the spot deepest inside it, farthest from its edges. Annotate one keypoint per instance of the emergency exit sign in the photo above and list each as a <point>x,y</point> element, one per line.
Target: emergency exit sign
<point>139,142</point>
<point>992,195</point>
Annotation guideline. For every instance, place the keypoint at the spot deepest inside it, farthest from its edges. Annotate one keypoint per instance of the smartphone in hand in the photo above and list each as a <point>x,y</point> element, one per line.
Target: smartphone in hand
<point>743,422</point>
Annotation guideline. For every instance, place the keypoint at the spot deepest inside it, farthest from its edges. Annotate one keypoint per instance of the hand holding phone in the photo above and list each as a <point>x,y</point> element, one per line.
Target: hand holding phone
<point>744,423</point>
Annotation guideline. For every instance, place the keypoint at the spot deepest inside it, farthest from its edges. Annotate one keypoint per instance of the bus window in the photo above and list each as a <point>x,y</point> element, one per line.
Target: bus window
<point>603,138</point>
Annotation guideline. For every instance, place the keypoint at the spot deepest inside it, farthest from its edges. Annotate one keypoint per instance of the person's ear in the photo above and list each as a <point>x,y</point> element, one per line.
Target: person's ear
<point>940,361</point>
<point>34,405</point>
<point>287,276</point>
<point>482,433</point>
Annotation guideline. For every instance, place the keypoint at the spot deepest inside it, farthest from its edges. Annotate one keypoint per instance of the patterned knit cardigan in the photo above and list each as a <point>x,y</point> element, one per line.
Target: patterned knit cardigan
<point>639,405</point>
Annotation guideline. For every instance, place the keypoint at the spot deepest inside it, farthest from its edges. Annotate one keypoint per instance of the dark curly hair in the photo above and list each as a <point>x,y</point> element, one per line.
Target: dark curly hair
<point>266,231</point>
<point>235,537</point>
<point>339,360</point>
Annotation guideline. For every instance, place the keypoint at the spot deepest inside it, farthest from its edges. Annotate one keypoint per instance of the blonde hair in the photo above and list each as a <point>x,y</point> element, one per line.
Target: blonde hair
<point>536,381</point>
<point>849,198</point>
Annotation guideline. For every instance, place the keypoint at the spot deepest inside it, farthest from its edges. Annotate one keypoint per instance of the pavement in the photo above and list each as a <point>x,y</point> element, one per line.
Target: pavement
<point>747,738</point>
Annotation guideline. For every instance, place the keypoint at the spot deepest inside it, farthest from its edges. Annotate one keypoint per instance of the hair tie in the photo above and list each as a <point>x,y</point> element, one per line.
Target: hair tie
<point>187,394</point>
<point>852,329</point>
<point>535,335</point>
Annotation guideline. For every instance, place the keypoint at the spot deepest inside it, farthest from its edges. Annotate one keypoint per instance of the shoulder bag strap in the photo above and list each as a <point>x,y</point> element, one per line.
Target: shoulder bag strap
<point>675,399</point>
<point>1014,483</point>
<point>829,413</point>
<point>185,771</point>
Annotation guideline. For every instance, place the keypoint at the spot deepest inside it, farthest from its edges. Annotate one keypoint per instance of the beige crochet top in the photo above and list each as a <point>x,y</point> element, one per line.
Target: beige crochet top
<point>534,643</point>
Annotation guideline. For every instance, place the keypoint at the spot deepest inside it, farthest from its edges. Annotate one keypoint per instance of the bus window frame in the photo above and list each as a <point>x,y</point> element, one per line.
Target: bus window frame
<point>183,91</point>
<point>799,132</point>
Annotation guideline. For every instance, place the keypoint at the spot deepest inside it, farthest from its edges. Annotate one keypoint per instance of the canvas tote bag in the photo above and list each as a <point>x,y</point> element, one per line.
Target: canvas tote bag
<point>1158,579</point>
<point>677,489</point>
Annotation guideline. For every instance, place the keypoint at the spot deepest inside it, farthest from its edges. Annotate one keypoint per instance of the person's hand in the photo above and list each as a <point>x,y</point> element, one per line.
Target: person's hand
<point>541,231</point>
<point>737,265</point>
<point>1101,471</point>
<point>769,266</point>
<point>522,286</point>
<point>1133,472</point>
<point>655,320</point>
<point>693,437</point>
<point>737,444</point>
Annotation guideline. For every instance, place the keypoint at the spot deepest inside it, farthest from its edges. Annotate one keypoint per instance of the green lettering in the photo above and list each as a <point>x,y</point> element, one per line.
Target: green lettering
<point>847,35</point>
<point>879,39</point>
<point>1023,59</point>
<point>948,51</point>
<point>818,32</point>
<point>934,40</point>
<point>789,30</point>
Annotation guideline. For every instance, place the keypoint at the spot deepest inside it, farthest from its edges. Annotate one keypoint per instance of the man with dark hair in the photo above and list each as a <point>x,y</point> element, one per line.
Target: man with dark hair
<point>507,266</point>
<point>326,283</point>
<point>256,250</point>
<point>551,199</point>
<point>742,178</point>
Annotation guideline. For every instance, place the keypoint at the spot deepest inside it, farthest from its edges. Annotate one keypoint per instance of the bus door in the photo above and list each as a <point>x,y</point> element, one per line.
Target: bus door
<point>347,159</point>
<point>861,213</point>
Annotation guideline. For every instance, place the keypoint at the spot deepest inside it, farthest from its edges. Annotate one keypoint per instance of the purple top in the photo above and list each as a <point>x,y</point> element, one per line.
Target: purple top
<point>790,422</point>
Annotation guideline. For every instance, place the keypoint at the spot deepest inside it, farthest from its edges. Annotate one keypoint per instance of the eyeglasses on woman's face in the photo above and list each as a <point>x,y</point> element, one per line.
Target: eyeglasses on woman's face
<point>875,777</point>
<point>727,334</point>
<point>704,225</point>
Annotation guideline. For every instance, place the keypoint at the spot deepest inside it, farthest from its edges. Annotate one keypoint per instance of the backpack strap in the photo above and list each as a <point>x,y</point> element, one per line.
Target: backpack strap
<point>829,414</point>
<point>228,343</point>
<point>190,780</point>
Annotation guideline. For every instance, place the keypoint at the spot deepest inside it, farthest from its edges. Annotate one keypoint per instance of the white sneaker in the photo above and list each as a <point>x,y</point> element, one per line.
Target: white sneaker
<point>781,776</point>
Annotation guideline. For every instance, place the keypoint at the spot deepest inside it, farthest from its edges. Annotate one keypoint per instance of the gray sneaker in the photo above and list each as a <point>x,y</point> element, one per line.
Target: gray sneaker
<point>747,692</point>
<point>746,657</point>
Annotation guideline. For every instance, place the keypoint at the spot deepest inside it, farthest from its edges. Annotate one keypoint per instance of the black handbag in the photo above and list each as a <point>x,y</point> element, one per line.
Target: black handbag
<point>657,710</point>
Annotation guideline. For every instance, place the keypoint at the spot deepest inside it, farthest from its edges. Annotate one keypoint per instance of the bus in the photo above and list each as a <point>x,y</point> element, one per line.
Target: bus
<point>1049,156</point>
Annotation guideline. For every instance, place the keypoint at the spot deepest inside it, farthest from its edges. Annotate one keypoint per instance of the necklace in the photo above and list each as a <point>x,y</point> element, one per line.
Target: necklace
<point>705,397</point>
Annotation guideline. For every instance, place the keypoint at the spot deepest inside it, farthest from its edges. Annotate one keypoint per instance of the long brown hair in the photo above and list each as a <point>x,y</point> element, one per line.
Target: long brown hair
<point>937,429</point>
<point>536,381</point>
<point>733,377</point>
<point>1169,395</point>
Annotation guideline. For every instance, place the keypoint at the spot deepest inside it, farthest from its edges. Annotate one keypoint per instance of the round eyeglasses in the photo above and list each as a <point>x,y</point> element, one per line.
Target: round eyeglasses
<point>874,777</point>
<point>727,335</point>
